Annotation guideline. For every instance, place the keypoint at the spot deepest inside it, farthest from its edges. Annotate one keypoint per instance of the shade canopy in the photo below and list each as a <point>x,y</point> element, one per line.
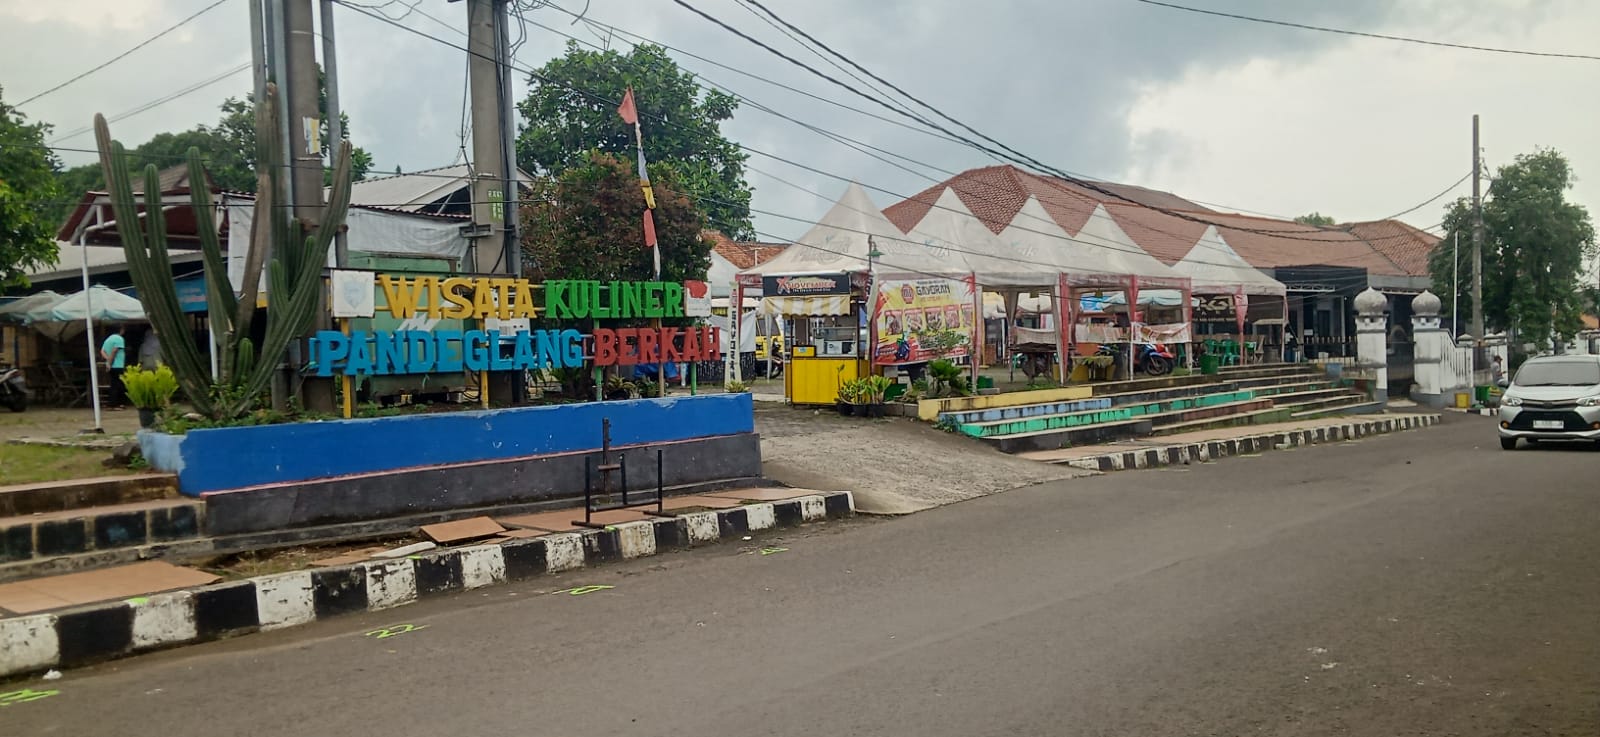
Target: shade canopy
<point>841,240</point>
<point>100,304</point>
<point>1215,268</point>
<point>19,310</point>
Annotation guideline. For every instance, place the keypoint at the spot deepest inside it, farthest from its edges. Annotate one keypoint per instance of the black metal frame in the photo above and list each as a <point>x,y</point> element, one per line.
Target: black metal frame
<point>620,467</point>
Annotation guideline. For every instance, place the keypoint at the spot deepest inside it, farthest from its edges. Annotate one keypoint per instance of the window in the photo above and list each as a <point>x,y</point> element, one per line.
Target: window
<point>1559,373</point>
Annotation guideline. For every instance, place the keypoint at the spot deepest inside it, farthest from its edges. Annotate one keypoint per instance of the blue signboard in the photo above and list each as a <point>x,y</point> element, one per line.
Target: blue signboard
<point>191,293</point>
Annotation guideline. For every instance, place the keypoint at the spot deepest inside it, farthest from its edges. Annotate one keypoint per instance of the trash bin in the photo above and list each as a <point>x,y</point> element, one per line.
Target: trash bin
<point>1210,364</point>
<point>985,382</point>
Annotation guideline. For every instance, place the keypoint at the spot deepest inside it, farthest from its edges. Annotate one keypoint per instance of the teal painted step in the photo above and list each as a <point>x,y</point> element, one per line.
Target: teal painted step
<point>1123,413</point>
<point>1024,411</point>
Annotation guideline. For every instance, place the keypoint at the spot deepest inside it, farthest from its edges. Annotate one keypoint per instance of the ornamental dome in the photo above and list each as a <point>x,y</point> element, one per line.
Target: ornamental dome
<point>1371,302</point>
<point>1426,304</point>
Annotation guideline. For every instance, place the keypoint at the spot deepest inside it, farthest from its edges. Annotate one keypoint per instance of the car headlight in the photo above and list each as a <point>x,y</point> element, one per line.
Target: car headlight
<point>1510,402</point>
<point>1589,402</point>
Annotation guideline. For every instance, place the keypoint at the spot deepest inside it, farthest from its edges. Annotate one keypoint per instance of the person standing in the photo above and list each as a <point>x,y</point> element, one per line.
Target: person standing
<point>114,351</point>
<point>150,350</point>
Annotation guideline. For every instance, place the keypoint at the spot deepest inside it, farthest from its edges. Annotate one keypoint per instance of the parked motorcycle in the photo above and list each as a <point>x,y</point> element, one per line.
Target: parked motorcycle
<point>14,392</point>
<point>1156,359</point>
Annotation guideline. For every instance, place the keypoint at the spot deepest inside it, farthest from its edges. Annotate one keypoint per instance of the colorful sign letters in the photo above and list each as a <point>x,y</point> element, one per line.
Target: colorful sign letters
<point>504,302</point>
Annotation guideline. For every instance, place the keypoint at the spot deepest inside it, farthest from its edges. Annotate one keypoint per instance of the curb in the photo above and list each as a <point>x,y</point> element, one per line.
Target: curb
<point>1211,450</point>
<point>109,630</point>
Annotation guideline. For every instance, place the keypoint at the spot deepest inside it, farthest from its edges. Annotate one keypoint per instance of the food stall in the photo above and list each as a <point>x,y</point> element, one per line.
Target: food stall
<point>1229,293</point>
<point>824,320</point>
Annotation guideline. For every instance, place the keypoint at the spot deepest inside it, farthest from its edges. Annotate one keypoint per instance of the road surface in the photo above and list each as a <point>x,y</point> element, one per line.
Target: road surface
<point>1417,584</point>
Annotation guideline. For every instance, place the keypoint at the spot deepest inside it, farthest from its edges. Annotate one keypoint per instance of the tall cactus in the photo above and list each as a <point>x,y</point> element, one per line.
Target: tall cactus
<point>294,275</point>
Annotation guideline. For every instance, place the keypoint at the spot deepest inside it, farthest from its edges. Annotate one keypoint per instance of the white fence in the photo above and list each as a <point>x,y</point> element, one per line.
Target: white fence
<point>1455,369</point>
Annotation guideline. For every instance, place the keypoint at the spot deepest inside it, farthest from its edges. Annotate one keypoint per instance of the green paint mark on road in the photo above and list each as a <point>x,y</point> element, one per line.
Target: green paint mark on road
<point>24,696</point>
<point>581,590</point>
<point>773,551</point>
<point>399,629</point>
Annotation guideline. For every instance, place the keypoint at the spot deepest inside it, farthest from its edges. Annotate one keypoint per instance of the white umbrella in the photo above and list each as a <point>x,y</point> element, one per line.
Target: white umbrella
<point>66,317</point>
<point>19,309</point>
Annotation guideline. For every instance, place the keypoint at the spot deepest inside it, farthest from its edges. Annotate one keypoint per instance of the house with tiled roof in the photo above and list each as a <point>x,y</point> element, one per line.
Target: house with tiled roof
<point>729,257</point>
<point>1322,267</point>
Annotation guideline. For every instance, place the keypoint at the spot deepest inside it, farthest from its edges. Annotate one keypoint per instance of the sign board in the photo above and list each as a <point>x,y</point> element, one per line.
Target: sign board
<point>696,299</point>
<point>506,307</point>
<point>350,293</point>
<point>922,320</point>
<point>804,286</point>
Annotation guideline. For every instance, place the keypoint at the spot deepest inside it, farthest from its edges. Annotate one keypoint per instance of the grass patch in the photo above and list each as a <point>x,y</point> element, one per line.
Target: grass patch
<point>26,464</point>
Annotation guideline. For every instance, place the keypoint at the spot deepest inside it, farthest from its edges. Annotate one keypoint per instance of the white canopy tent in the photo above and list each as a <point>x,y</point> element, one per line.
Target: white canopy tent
<point>951,233</point>
<point>840,243</point>
<point>1215,268</point>
<point>17,310</point>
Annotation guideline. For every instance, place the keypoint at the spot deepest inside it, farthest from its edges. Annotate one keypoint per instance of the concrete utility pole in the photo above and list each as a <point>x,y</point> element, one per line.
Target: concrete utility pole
<point>488,200</point>
<point>493,230</point>
<point>305,160</point>
<point>1477,239</point>
<point>330,71</point>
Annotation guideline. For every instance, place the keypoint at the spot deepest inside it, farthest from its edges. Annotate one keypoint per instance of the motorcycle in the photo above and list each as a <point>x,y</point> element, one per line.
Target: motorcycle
<point>14,392</point>
<point>1156,359</point>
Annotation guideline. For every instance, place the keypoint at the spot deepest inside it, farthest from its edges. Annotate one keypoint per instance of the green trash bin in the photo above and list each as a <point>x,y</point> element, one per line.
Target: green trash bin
<point>1210,364</point>
<point>985,382</point>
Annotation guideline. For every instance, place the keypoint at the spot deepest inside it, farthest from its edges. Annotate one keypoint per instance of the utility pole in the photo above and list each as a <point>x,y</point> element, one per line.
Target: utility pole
<point>305,161</point>
<point>1477,240</point>
<point>330,71</point>
<point>494,196</point>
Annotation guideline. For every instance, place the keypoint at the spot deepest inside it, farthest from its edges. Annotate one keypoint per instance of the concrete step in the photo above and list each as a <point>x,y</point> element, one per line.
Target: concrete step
<point>1355,404</point>
<point>1105,431</point>
<point>112,527</point>
<point>1098,416</point>
<point>1261,370</point>
<point>55,496</point>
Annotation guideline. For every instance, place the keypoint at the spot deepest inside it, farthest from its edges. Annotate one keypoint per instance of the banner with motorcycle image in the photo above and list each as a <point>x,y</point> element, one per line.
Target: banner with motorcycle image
<point>919,320</point>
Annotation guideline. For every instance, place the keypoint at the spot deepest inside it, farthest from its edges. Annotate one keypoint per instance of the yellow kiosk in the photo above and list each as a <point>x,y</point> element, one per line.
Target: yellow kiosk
<point>824,331</point>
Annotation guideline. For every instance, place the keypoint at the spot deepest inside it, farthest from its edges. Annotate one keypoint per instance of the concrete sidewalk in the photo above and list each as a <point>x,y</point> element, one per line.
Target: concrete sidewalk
<point>1205,445</point>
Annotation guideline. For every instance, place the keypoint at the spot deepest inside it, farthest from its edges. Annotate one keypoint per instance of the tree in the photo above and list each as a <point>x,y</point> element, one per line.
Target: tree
<point>1535,247</point>
<point>571,108</point>
<point>1316,218</point>
<point>586,224</point>
<point>27,191</point>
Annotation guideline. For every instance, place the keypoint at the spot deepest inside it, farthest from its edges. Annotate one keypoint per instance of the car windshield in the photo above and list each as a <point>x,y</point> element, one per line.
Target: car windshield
<point>1559,373</point>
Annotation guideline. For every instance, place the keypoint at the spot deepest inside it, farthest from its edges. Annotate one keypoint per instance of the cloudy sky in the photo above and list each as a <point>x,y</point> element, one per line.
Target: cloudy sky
<point>1243,115</point>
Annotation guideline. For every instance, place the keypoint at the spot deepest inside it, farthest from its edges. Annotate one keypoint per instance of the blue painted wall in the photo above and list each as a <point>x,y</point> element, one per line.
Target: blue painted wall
<point>230,458</point>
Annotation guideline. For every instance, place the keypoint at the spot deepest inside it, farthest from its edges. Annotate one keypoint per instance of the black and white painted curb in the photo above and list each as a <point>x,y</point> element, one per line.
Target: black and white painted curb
<point>1173,455</point>
<point>104,631</point>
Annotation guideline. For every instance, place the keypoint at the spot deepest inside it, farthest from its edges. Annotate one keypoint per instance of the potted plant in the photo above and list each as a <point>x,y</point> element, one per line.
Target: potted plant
<point>150,390</point>
<point>877,387</point>
<point>846,399</point>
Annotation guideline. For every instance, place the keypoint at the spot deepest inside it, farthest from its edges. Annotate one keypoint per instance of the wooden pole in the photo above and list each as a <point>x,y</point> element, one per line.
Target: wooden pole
<point>345,383</point>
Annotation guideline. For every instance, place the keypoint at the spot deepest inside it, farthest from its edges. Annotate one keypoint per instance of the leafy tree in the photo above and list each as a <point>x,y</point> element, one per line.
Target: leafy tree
<point>571,108</point>
<point>1316,218</point>
<point>27,187</point>
<point>586,223</point>
<point>1535,245</point>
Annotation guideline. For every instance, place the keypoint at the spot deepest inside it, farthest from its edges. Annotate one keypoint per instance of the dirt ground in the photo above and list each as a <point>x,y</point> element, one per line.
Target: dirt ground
<point>893,464</point>
<point>54,422</point>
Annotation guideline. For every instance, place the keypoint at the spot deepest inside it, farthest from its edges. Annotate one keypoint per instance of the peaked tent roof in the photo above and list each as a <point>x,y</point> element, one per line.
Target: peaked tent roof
<point>1115,252</point>
<point>101,304</point>
<point>838,243</point>
<point>950,231</point>
<point>18,309</point>
<point>1214,266</point>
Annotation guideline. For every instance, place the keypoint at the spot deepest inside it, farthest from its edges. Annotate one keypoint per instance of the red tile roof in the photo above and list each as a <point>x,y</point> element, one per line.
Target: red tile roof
<point>744,254</point>
<point>996,193</point>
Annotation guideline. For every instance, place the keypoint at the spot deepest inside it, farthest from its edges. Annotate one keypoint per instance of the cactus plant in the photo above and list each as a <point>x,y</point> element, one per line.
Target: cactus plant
<point>294,275</point>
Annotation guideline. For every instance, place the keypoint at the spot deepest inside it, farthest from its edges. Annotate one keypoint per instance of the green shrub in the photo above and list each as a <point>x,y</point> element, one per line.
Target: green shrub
<point>150,389</point>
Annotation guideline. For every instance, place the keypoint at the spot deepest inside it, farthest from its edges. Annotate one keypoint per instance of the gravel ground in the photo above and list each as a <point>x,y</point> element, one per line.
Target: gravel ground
<point>894,465</point>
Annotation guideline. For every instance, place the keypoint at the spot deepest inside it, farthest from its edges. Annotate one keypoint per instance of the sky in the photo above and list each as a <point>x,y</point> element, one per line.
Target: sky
<point>1242,116</point>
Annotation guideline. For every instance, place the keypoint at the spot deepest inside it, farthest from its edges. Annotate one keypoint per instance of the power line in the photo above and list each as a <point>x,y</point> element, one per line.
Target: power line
<point>1011,153</point>
<point>158,102</point>
<point>1364,34</point>
<point>639,38</point>
<point>120,56</point>
<point>536,75</point>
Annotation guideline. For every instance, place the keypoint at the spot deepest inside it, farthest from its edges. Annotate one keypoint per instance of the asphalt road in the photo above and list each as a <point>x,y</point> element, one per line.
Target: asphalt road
<point>1419,584</point>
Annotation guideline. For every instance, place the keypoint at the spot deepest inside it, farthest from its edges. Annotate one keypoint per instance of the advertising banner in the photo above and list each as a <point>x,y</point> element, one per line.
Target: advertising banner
<point>922,320</point>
